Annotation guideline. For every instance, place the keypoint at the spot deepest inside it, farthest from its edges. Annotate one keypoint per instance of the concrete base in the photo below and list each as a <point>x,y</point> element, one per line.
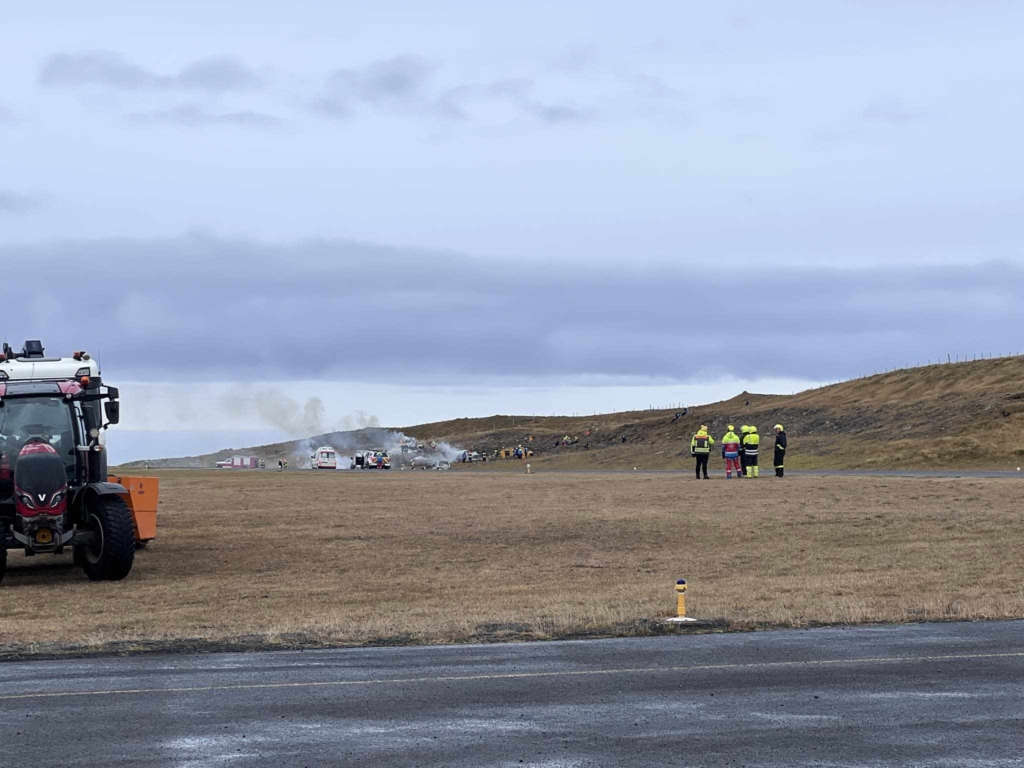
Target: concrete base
<point>681,620</point>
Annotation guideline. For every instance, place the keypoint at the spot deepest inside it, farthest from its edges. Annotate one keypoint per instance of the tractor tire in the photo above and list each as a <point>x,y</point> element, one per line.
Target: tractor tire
<point>3,563</point>
<point>112,557</point>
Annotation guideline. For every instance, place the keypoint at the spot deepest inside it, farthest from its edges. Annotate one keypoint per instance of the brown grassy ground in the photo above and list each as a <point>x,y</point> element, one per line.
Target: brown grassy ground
<point>350,558</point>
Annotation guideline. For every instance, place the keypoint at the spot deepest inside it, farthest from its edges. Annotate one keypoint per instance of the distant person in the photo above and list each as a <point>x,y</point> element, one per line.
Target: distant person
<point>700,449</point>
<point>750,446</point>
<point>731,452</point>
<point>780,450</point>
<point>623,440</point>
<point>744,431</point>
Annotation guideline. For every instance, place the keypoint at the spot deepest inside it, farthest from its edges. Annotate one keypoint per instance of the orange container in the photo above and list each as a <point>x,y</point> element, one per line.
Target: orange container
<point>142,499</point>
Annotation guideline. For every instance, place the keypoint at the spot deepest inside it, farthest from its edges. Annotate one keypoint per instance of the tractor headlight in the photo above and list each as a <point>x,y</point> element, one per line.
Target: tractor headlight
<point>25,499</point>
<point>58,497</point>
<point>94,433</point>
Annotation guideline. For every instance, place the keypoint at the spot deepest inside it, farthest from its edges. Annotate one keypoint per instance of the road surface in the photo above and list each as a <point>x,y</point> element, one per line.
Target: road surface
<point>939,694</point>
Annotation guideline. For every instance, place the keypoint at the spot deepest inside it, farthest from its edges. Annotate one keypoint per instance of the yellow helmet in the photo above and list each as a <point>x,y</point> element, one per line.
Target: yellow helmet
<point>730,428</point>
<point>753,429</point>
<point>703,427</point>
<point>780,428</point>
<point>744,429</point>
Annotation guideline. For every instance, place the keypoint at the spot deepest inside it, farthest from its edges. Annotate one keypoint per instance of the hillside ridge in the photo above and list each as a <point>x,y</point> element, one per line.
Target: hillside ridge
<point>957,415</point>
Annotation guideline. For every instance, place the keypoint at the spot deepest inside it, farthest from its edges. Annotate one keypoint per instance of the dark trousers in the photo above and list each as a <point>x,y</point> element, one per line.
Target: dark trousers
<point>780,459</point>
<point>702,464</point>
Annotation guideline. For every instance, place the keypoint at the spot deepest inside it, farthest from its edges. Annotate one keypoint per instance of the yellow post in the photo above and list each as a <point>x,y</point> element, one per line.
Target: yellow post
<point>681,617</point>
<point>681,598</point>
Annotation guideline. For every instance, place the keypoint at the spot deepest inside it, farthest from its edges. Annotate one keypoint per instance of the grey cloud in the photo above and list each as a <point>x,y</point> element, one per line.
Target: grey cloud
<point>394,82</point>
<point>557,114</point>
<point>400,84</point>
<point>357,311</point>
<point>16,202</point>
<point>576,59</point>
<point>651,86</point>
<point>890,109</point>
<point>194,116</point>
<point>109,69</point>
<point>457,102</point>
<point>219,74</point>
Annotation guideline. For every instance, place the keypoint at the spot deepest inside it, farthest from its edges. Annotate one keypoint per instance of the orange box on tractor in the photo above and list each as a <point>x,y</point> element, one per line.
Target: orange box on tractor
<point>142,498</point>
<point>55,491</point>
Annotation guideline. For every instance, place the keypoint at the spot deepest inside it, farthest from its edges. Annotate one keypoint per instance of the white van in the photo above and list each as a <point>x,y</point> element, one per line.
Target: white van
<point>324,458</point>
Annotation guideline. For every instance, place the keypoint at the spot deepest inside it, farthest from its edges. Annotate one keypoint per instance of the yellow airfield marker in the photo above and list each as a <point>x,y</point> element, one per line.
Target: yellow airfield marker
<point>681,617</point>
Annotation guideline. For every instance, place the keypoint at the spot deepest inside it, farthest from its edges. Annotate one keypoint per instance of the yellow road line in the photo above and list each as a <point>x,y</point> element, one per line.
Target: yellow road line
<point>514,676</point>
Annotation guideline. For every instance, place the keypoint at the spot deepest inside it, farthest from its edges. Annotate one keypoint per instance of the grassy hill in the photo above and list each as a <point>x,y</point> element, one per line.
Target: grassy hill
<point>965,415</point>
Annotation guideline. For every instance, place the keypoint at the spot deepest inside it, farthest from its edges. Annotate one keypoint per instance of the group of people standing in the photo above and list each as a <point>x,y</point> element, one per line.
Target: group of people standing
<point>739,451</point>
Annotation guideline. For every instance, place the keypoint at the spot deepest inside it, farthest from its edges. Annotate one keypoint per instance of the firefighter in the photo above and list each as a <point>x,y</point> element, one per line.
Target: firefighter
<point>731,451</point>
<point>780,450</point>
<point>743,452</point>
<point>700,449</point>
<point>750,444</point>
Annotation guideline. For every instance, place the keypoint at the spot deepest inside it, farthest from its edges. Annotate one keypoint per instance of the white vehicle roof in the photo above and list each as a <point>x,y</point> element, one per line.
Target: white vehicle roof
<point>47,369</point>
<point>324,448</point>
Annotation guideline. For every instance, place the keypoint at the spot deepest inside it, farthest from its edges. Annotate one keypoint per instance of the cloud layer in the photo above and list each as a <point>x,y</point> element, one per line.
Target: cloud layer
<point>109,69</point>
<point>402,84</point>
<point>16,202</point>
<point>195,116</point>
<point>237,310</point>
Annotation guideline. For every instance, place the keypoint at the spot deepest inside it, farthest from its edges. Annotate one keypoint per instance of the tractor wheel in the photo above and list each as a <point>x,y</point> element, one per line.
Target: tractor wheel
<point>110,556</point>
<point>3,563</point>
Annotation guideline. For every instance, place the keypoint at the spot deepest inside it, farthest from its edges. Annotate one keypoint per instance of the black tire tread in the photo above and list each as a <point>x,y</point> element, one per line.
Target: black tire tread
<point>119,539</point>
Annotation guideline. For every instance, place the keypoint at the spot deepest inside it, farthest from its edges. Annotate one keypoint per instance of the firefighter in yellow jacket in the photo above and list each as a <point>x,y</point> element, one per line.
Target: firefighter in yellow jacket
<point>700,449</point>
<point>750,443</point>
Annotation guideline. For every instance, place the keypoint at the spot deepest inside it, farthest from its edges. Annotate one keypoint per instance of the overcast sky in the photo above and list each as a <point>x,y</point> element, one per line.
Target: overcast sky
<point>407,207</point>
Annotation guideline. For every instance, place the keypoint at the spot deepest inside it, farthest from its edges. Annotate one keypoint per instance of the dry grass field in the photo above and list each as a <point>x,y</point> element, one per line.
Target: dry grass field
<point>302,559</point>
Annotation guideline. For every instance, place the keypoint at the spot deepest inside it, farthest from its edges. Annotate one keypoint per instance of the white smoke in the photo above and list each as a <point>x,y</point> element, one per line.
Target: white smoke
<point>269,406</point>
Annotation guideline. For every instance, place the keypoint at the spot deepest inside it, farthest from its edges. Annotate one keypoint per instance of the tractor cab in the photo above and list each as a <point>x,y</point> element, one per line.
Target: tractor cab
<point>55,491</point>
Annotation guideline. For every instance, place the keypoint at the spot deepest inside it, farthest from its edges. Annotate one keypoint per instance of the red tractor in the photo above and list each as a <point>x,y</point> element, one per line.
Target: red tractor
<point>55,491</point>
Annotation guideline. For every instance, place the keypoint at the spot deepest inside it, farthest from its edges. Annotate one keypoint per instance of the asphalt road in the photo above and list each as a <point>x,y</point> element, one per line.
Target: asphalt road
<point>939,694</point>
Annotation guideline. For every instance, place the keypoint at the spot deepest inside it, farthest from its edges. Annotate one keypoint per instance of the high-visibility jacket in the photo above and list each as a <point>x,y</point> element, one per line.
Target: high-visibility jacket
<point>701,443</point>
<point>730,445</point>
<point>750,442</point>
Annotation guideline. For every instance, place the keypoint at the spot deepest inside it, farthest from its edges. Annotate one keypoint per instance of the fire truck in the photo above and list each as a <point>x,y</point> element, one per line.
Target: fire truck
<point>55,489</point>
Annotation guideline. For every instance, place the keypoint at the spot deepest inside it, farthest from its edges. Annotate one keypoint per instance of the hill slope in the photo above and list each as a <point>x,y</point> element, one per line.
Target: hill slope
<point>966,415</point>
